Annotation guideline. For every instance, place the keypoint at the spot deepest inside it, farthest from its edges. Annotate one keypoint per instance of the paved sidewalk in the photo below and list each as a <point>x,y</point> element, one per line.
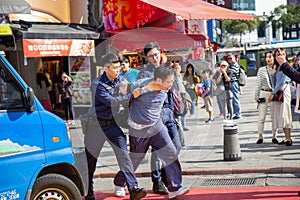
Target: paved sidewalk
<point>203,154</point>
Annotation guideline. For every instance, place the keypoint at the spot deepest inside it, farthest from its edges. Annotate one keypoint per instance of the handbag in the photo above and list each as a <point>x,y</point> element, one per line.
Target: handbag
<point>279,96</point>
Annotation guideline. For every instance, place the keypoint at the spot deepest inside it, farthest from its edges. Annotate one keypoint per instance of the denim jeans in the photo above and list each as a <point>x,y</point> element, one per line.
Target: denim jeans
<point>191,92</point>
<point>235,99</point>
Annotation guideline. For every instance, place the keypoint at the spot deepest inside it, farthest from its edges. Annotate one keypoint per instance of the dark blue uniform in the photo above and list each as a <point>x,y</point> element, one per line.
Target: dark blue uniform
<point>106,105</point>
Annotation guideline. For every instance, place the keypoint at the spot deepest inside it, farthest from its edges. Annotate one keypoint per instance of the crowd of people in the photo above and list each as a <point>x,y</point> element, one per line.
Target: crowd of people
<point>148,96</point>
<point>149,99</point>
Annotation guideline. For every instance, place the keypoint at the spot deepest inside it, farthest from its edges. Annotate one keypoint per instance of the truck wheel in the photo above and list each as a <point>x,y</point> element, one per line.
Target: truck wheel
<point>54,187</point>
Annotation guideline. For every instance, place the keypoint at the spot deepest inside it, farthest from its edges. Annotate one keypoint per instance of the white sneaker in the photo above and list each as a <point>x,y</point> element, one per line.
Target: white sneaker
<point>120,191</point>
<point>179,192</point>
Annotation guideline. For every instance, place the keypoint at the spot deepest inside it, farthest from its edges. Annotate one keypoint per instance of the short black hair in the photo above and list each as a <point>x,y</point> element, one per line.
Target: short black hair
<point>124,59</point>
<point>163,72</point>
<point>148,47</point>
<point>108,59</point>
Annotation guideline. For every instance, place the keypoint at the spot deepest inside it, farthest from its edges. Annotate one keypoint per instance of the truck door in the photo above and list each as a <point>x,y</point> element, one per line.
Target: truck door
<point>21,136</point>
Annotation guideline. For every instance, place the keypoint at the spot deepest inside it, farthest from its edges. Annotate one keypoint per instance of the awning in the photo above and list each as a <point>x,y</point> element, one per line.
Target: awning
<point>40,31</point>
<point>14,7</point>
<point>198,9</point>
<point>136,39</point>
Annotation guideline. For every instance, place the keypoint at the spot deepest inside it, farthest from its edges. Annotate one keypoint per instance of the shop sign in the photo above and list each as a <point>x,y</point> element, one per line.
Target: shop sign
<point>5,30</point>
<point>57,47</point>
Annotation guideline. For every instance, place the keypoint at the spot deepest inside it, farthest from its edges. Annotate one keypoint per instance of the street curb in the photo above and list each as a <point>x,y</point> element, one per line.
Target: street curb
<point>212,171</point>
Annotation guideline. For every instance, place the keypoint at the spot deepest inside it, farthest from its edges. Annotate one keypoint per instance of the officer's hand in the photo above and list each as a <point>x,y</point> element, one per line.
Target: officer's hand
<point>123,88</point>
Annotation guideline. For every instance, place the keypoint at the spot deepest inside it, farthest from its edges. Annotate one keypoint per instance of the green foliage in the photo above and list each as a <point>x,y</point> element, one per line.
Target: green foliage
<point>285,16</point>
<point>239,26</point>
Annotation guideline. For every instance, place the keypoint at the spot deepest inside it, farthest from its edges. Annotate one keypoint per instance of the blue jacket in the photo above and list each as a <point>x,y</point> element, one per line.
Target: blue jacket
<point>107,103</point>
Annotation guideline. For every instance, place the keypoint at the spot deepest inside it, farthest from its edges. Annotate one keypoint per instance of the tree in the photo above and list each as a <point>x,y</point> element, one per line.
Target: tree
<point>240,27</point>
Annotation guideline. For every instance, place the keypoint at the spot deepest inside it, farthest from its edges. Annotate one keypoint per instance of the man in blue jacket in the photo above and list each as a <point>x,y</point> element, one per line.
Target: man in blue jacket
<point>106,107</point>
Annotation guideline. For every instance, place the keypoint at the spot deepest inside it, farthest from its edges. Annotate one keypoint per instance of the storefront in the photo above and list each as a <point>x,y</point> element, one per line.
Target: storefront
<point>52,49</point>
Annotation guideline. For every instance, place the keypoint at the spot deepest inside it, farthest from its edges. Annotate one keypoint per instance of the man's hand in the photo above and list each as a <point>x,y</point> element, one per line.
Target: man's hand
<point>123,87</point>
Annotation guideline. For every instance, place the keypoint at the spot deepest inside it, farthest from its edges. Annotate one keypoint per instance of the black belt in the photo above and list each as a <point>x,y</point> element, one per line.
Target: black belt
<point>166,105</point>
<point>266,90</point>
<point>106,122</point>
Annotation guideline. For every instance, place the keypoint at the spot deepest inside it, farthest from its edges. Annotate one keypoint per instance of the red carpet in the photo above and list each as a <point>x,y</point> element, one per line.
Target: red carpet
<point>241,193</point>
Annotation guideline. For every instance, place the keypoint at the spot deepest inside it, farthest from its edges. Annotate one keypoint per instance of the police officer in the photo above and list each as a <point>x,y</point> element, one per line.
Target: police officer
<point>106,107</point>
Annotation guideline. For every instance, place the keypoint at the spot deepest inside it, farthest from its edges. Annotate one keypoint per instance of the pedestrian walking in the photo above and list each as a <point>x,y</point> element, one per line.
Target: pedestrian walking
<point>178,85</point>
<point>235,69</point>
<point>263,89</point>
<point>220,91</point>
<point>226,80</point>
<point>207,96</point>
<point>190,81</point>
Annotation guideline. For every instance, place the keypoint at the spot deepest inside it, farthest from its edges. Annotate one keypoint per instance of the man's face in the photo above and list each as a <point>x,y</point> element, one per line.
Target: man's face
<point>177,69</point>
<point>231,59</point>
<point>113,70</point>
<point>168,82</point>
<point>154,57</point>
<point>224,67</point>
<point>125,66</point>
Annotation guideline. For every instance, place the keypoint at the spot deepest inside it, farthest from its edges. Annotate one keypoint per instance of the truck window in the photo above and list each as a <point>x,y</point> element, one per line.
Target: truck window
<point>11,97</point>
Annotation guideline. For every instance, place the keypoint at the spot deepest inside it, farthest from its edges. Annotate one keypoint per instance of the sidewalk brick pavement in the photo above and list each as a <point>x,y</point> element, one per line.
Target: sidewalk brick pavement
<point>203,154</point>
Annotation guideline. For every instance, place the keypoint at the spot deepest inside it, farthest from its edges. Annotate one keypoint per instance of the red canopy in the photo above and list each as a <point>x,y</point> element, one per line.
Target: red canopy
<point>197,9</point>
<point>136,39</point>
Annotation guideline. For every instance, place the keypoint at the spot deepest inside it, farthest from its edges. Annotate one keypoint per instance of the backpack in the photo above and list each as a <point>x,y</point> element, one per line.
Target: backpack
<point>242,77</point>
<point>178,104</point>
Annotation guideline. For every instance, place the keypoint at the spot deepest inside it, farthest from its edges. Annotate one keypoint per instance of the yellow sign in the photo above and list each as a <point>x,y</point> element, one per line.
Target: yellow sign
<point>5,30</point>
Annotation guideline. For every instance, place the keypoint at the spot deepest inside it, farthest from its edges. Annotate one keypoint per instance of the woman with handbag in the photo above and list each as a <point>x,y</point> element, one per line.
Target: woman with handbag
<point>263,89</point>
<point>282,107</point>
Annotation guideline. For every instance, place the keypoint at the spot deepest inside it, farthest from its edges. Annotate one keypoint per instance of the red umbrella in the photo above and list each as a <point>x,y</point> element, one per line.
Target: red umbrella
<point>136,39</point>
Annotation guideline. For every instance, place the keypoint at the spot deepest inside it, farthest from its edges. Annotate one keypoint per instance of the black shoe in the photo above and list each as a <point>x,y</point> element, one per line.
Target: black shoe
<point>185,129</point>
<point>137,193</point>
<point>159,188</point>
<point>289,143</point>
<point>259,141</point>
<point>237,117</point>
<point>90,196</point>
<point>282,142</point>
<point>274,141</point>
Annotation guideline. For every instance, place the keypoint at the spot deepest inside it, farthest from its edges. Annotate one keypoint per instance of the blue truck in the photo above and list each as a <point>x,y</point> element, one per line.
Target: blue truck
<point>37,160</point>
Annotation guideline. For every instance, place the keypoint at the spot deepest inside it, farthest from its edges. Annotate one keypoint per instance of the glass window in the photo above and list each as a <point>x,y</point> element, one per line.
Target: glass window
<point>10,94</point>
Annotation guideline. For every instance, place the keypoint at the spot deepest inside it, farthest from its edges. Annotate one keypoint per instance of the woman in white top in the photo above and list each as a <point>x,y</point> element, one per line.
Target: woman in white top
<point>263,89</point>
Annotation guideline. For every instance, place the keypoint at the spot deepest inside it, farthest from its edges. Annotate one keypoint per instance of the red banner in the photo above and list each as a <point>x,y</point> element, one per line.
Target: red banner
<point>129,14</point>
<point>57,47</point>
